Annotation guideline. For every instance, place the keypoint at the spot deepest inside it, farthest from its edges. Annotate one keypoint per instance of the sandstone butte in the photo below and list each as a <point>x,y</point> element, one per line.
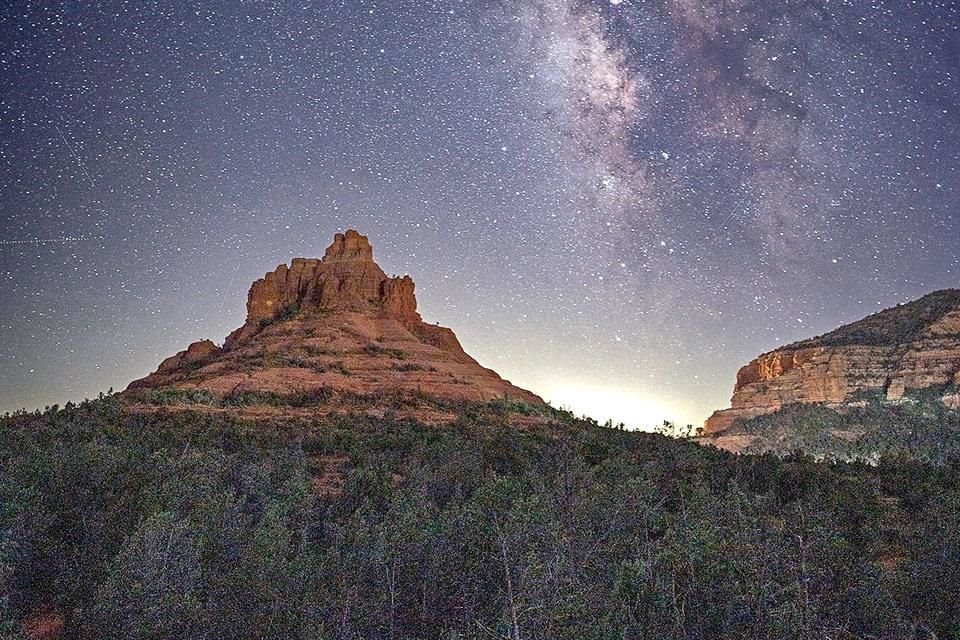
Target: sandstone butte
<point>911,346</point>
<point>338,332</point>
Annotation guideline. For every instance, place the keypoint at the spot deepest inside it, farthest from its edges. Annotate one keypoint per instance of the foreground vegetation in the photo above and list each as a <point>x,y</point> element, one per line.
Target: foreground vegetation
<point>192,525</point>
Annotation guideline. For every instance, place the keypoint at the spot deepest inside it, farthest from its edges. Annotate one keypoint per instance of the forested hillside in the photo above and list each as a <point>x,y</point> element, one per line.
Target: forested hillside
<point>920,427</point>
<point>177,524</point>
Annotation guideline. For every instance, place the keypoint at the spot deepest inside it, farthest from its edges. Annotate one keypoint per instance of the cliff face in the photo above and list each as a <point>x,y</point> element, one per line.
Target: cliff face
<point>336,325</point>
<point>345,279</point>
<point>912,346</point>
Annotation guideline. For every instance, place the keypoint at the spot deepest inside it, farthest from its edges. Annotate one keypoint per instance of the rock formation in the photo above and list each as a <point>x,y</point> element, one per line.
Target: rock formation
<point>334,327</point>
<point>911,346</point>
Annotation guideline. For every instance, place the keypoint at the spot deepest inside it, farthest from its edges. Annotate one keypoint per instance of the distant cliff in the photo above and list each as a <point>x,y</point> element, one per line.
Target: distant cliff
<point>911,346</point>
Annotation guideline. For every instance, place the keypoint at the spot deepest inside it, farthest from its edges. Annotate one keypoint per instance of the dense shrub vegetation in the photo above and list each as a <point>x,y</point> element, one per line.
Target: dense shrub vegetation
<point>192,525</point>
<point>890,327</point>
<point>920,428</point>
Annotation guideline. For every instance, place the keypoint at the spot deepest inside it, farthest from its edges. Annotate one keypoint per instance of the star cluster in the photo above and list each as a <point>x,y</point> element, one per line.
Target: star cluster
<point>614,204</point>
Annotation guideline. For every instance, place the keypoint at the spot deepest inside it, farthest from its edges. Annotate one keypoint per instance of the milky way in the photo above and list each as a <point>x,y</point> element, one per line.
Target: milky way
<point>614,204</point>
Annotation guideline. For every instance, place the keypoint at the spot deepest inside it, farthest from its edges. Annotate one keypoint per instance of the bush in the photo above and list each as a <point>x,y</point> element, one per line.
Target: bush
<point>288,312</point>
<point>374,349</point>
<point>167,397</point>
<point>410,366</point>
<point>340,368</point>
<point>248,398</point>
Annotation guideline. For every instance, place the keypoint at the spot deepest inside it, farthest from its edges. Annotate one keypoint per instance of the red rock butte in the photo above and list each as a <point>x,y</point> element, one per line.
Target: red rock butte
<point>911,346</point>
<point>336,327</point>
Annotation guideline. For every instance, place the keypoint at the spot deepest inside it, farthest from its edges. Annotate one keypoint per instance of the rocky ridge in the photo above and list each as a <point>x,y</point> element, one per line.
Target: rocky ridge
<point>911,346</point>
<point>334,332</point>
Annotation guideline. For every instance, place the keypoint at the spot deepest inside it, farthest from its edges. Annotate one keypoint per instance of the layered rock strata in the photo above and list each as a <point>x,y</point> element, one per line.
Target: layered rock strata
<point>336,324</point>
<point>912,346</point>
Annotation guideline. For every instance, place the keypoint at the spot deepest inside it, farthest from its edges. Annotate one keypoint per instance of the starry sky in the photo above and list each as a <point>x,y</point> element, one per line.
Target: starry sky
<point>614,204</point>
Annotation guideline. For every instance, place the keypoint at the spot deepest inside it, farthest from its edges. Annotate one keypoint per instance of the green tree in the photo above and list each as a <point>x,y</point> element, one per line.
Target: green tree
<point>152,589</point>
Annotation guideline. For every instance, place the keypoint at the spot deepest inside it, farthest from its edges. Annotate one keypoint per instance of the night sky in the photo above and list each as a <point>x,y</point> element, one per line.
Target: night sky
<point>614,204</point>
